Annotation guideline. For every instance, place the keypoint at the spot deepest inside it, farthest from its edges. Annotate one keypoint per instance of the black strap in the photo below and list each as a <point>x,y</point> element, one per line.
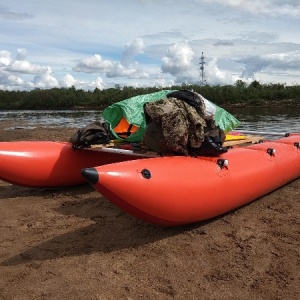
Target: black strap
<point>126,133</point>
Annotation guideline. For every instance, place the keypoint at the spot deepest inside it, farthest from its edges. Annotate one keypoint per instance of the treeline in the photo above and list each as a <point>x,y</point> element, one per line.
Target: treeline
<point>254,94</point>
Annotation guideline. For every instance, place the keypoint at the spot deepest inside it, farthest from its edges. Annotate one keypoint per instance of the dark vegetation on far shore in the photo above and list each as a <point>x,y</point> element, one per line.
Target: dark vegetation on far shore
<point>239,95</point>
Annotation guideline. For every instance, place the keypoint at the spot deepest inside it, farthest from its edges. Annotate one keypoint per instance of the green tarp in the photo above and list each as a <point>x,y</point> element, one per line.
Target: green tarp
<point>133,110</point>
<point>225,120</point>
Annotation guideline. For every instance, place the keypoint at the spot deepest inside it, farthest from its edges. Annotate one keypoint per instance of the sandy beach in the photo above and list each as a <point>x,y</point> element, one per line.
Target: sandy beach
<point>72,243</point>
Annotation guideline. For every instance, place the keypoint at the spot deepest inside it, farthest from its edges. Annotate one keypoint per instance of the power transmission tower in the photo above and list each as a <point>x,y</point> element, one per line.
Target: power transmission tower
<point>202,72</point>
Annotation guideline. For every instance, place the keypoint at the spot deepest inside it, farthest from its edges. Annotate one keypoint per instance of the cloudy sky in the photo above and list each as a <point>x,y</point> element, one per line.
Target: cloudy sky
<point>103,43</point>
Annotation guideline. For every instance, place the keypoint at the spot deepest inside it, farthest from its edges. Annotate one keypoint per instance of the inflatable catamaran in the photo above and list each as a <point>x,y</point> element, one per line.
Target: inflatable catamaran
<point>165,190</point>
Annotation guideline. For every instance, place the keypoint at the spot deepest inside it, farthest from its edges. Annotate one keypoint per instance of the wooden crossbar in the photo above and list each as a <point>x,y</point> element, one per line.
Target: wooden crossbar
<point>246,140</point>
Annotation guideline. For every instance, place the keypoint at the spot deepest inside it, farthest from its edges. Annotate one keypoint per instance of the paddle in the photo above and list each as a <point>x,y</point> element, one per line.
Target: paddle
<point>266,133</point>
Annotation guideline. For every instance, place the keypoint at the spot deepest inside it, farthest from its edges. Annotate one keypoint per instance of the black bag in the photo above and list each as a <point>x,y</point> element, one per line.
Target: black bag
<point>213,141</point>
<point>94,133</point>
<point>211,146</point>
<point>190,98</point>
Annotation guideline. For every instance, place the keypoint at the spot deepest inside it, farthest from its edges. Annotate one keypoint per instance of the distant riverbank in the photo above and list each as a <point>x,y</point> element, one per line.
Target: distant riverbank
<point>264,103</point>
<point>240,94</point>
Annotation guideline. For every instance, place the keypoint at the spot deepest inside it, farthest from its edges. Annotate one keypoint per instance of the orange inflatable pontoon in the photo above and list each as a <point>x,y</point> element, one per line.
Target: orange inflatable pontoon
<point>180,190</point>
<point>49,164</point>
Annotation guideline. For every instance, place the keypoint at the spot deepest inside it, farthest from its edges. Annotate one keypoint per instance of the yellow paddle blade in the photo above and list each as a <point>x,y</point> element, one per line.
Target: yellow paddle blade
<point>230,137</point>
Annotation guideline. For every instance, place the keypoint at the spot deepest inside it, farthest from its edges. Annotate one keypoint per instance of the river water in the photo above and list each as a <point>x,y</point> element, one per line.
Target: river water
<point>283,120</point>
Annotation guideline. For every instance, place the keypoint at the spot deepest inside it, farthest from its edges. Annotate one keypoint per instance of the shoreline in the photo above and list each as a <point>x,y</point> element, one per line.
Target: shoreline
<point>272,103</point>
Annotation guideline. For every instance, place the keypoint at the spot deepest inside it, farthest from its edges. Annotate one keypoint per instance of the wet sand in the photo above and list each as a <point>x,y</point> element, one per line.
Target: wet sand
<point>72,243</point>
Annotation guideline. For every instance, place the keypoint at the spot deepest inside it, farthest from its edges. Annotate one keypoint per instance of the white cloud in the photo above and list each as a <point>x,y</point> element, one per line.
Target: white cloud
<point>68,81</point>
<point>15,80</point>
<point>11,80</point>
<point>45,80</point>
<point>25,67</point>
<point>112,69</point>
<point>219,77</point>
<point>5,58</point>
<point>276,61</point>
<point>132,49</point>
<point>178,59</point>
<point>93,64</point>
<point>97,83</point>
<point>163,83</point>
<point>266,7</point>
<point>139,74</point>
<point>118,70</point>
<point>12,70</point>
